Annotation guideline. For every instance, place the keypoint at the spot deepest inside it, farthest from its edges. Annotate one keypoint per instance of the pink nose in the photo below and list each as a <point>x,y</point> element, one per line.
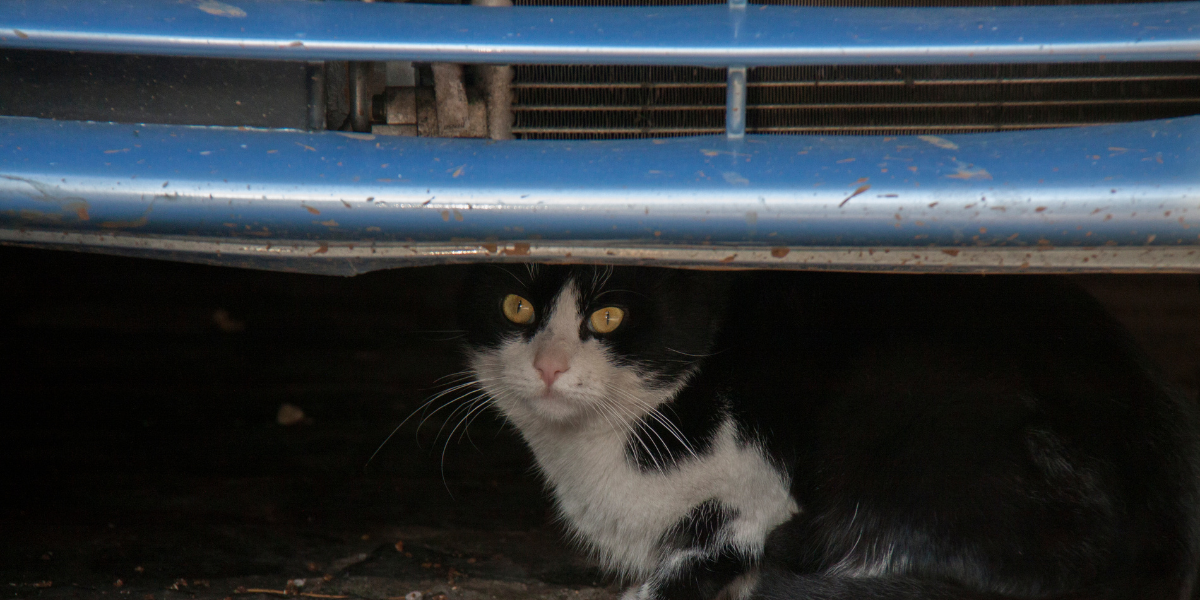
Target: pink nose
<point>550,366</point>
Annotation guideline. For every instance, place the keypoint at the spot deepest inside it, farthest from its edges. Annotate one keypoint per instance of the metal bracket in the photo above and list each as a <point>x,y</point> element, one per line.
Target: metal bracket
<point>735,103</point>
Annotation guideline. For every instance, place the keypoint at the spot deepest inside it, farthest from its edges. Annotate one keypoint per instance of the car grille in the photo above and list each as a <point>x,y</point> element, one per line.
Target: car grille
<point>607,102</point>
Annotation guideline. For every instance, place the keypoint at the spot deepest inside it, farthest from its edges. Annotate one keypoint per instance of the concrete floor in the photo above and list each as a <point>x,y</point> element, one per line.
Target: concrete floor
<point>144,459</point>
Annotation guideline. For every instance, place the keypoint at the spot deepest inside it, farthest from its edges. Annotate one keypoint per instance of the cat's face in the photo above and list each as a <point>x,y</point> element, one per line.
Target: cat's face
<point>563,346</point>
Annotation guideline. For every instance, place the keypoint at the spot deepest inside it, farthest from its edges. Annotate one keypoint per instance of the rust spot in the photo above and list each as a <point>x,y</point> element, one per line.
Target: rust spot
<point>126,224</point>
<point>728,259</point>
<point>21,34</point>
<point>457,172</point>
<point>861,189</point>
<point>1040,209</point>
<point>846,160</point>
<point>330,223</point>
<point>296,44</point>
<point>458,216</point>
<point>491,248</point>
<point>305,146</point>
<point>81,209</point>
<point>310,209</point>
<point>780,251</point>
<point>324,247</point>
<point>950,252</point>
<point>445,215</point>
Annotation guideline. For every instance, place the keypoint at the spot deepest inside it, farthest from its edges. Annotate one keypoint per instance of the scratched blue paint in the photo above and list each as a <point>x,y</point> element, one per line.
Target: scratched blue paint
<point>1127,184</point>
<point>688,35</point>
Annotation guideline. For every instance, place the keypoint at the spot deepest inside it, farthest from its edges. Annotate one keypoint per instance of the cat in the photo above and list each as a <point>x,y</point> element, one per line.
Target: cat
<point>840,436</point>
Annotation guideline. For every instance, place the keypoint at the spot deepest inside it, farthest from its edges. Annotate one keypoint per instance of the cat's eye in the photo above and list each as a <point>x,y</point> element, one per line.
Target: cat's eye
<point>517,309</point>
<point>606,319</point>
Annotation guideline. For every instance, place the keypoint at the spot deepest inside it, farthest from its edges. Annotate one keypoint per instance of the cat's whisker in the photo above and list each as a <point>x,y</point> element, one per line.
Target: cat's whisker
<point>513,275</point>
<point>630,428</point>
<point>394,431</point>
<point>478,406</point>
<point>656,414</point>
<point>487,402</point>
<point>458,403</point>
<point>437,397</point>
<point>405,420</point>
<point>621,291</point>
<point>462,402</point>
<point>457,375</point>
<point>472,406</point>
<point>636,426</point>
<point>693,355</point>
<point>431,401</point>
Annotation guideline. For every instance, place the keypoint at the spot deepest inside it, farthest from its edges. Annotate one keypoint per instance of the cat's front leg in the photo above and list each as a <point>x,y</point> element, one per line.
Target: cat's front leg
<point>696,574</point>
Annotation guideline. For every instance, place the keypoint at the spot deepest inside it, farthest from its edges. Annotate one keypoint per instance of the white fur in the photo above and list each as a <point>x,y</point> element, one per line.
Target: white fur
<point>578,430</point>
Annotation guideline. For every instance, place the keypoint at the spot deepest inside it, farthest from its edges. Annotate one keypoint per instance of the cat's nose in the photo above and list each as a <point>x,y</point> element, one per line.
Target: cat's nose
<point>550,366</point>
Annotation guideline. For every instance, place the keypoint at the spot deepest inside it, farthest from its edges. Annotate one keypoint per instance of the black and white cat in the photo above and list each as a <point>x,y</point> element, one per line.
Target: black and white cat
<point>807,435</point>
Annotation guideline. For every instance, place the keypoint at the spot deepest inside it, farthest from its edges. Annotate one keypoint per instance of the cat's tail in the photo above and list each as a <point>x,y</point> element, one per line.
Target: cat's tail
<point>789,586</point>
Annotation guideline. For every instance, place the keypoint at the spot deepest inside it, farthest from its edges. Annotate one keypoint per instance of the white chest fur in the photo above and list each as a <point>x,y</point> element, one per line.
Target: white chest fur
<point>621,512</point>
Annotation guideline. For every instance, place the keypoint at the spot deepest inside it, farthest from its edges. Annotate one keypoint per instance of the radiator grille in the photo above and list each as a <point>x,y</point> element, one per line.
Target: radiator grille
<point>876,3</point>
<point>598,102</point>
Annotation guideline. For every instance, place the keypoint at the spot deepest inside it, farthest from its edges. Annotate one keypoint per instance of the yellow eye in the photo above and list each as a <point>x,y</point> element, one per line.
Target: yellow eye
<point>517,309</point>
<point>606,319</point>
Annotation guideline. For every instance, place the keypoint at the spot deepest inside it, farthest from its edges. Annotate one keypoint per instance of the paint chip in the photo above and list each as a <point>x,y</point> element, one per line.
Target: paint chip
<point>940,142</point>
<point>861,189</point>
<point>220,9</point>
<point>969,172</point>
<point>735,178</point>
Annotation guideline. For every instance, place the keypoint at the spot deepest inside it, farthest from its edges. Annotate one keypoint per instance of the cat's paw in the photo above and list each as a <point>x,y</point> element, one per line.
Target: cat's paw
<point>639,592</point>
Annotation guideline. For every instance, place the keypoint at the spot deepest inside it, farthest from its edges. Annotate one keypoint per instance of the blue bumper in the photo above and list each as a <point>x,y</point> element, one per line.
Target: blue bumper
<point>1116,198</point>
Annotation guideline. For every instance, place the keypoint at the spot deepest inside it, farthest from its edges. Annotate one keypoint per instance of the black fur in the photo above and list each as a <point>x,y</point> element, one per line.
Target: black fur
<point>969,437</point>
